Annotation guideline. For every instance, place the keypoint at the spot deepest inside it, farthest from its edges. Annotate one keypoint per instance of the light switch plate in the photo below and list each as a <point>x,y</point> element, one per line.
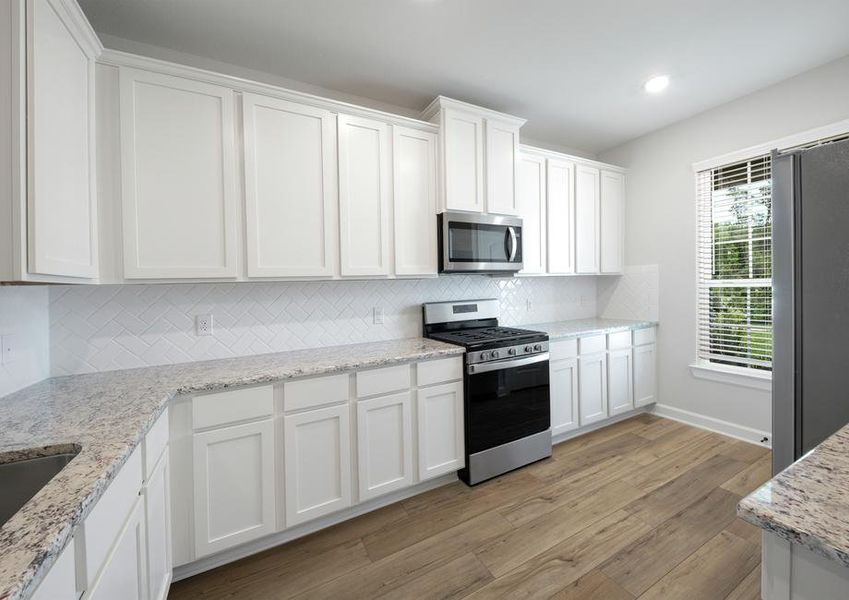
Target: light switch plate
<point>377,312</point>
<point>8,348</point>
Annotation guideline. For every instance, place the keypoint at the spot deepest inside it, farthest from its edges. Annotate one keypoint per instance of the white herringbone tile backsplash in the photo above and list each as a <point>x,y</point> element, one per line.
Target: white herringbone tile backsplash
<point>100,328</point>
<point>634,295</point>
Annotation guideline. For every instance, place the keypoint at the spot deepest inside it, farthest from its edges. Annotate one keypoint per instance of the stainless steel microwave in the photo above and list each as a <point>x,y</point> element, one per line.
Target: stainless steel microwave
<point>472,243</point>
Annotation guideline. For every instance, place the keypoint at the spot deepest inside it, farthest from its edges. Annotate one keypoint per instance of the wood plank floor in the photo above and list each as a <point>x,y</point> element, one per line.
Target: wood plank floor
<point>644,508</point>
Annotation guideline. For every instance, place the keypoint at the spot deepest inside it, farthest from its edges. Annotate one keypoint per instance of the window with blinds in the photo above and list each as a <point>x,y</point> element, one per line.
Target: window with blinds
<point>735,263</point>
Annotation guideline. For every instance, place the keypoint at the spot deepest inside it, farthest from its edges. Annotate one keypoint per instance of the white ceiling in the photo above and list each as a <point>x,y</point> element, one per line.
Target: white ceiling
<point>573,68</point>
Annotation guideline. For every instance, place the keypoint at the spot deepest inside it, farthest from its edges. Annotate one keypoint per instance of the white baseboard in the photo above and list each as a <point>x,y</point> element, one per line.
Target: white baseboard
<point>568,435</point>
<point>232,554</point>
<point>741,432</point>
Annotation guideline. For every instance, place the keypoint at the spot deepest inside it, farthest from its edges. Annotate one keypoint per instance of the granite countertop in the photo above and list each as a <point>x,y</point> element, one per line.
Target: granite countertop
<point>808,503</point>
<point>578,327</point>
<point>106,415</point>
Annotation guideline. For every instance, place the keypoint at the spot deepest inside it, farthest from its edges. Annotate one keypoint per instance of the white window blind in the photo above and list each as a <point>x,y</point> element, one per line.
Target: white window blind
<point>735,263</point>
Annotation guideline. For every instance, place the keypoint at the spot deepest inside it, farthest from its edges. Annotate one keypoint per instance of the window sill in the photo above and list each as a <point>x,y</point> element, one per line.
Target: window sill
<point>740,376</point>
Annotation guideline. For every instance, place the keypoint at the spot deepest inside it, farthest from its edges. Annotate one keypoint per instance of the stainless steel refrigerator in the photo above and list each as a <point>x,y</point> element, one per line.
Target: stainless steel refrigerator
<point>810,243</point>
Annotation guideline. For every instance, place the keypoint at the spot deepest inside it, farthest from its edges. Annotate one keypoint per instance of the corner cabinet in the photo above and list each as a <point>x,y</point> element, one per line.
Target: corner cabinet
<point>178,167</point>
<point>365,187</point>
<point>290,188</point>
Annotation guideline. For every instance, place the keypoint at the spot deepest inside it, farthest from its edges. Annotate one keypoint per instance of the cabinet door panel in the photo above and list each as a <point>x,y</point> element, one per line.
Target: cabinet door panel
<point>645,375</point>
<point>414,159</point>
<point>612,228</point>
<point>157,502</point>
<point>592,388</point>
<point>440,429</point>
<point>620,381</point>
<point>531,201</point>
<point>123,575</point>
<point>586,219</point>
<point>364,196</point>
<point>61,196</point>
<point>561,216</point>
<point>502,149</point>
<point>463,160</point>
<point>234,485</point>
<point>60,582</point>
<point>290,188</point>
<point>564,395</point>
<point>178,174</point>
<point>385,444</point>
<point>318,463</point>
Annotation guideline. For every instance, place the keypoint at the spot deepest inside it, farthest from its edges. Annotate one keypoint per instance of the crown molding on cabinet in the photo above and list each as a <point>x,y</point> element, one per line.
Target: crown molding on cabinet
<point>73,17</point>
<point>441,102</point>
<point>118,58</point>
<point>525,149</point>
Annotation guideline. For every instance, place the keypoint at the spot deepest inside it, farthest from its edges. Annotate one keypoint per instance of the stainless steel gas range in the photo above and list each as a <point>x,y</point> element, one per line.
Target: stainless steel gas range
<point>507,407</point>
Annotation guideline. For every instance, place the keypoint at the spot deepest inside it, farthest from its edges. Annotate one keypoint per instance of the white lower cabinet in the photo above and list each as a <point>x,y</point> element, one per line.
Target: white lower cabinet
<point>233,485</point>
<point>60,583</point>
<point>645,378</point>
<point>317,449</point>
<point>592,387</point>
<point>385,444</point>
<point>564,395</point>
<point>440,429</point>
<point>124,574</point>
<point>158,528</point>
<point>620,381</point>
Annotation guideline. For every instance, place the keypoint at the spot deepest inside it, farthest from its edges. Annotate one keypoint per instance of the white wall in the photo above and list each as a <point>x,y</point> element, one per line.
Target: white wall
<point>23,313</point>
<point>662,211</point>
<point>98,328</point>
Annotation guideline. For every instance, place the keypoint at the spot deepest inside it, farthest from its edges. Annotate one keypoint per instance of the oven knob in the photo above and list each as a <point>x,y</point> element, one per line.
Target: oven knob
<point>494,354</point>
<point>511,352</point>
<point>537,347</point>
<point>529,349</point>
<point>484,356</point>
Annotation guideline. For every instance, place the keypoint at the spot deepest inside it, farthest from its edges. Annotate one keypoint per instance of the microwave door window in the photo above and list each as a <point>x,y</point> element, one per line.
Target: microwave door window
<point>472,242</point>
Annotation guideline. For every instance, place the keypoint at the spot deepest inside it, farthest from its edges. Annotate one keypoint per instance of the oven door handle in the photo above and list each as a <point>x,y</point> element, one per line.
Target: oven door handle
<point>506,364</point>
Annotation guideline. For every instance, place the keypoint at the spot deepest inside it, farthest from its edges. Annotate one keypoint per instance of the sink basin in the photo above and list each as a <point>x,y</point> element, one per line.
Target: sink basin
<point>20,480</point>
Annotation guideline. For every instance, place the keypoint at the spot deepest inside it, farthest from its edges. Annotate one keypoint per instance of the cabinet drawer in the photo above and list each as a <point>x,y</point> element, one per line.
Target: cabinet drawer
<point>619,340</point>
<point>592,344</point>
<point>383,381</point>
<point>154,443</point>
<point>563,349</point>
<point>210,410</point>
<point>319,391</point>
<point>439,371</point>
<point>106,520</point>
<point>644,336</point>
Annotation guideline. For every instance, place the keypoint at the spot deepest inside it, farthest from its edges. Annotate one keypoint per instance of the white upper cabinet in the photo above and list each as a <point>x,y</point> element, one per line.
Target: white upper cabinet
<point>178,172</point>
<point>462,151</point>
<point>479,151</point>
<point>364,196</point>
<point>290,188</point>
<point>415,186</point>
<point>502,153</point>
<point>60,142</point>
<point>561,216</point>
<point>531,201</point>
<point>612,221</point>
<point>587,219</point>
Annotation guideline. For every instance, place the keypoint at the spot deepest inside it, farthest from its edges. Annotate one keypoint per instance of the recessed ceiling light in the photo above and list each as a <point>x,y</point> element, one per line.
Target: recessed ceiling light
<point>657,84</point>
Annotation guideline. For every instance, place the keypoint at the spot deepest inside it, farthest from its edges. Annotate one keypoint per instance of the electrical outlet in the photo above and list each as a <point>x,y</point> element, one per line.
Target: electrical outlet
<point>203,325</point>
<point>377,314</point>
<point>8,348</point>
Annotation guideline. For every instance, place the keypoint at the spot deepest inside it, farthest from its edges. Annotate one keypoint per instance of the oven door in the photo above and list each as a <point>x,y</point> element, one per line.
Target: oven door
<point>480,243</point>
<point>505,401</point>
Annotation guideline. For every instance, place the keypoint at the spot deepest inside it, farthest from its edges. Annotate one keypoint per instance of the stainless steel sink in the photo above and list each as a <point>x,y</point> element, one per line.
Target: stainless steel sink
<point>20,480</point>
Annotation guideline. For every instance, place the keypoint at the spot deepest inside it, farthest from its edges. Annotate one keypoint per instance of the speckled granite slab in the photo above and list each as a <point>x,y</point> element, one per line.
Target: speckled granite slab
<point>107,414</point>
<point>808,502</point>
<point>578,327</point>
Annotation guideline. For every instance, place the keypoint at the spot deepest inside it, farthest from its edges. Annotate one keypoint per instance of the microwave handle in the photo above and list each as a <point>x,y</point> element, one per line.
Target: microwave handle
<point>513,245</point>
